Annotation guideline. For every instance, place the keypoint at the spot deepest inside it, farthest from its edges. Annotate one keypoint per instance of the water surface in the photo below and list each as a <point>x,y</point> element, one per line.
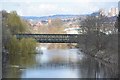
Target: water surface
<point>58,63</point>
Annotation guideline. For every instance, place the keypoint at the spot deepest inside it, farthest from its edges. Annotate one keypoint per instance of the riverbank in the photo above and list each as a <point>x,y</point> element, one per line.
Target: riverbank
<point>62,45</point>
<point>104,47</point>
<point>103,55</point>
<point>106,60</point>
<point>5,59</point>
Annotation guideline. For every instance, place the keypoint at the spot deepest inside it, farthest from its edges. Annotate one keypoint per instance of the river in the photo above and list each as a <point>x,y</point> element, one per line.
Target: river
<point>58,63</point>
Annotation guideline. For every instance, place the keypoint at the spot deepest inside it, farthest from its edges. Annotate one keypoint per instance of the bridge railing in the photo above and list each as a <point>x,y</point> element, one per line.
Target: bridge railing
<point>57,38</point>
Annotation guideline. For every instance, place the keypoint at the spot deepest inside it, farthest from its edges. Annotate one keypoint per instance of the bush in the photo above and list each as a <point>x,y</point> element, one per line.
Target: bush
<point>13,45</point>
<point>27,46</point>
<point>23,46</point>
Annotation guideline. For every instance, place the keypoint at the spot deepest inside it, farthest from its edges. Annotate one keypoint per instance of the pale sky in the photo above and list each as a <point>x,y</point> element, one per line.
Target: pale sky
<point>52,7</point>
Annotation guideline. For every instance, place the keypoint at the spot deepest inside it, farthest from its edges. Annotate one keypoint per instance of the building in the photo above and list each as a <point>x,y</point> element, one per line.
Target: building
<point>49,21</point>
<point>39,24</point>
<point>113,12</point>
<point>75,29</point>
<point>102,12</point>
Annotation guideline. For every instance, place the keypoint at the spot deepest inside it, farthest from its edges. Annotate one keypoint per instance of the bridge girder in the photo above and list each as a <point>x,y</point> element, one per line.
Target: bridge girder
<point>52,38</point>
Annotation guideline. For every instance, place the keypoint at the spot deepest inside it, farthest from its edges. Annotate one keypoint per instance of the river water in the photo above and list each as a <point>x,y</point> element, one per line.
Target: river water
<point>58,63</point>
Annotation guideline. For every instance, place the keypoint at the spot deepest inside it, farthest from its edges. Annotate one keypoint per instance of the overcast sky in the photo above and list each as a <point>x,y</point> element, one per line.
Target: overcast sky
<point>52,7</point>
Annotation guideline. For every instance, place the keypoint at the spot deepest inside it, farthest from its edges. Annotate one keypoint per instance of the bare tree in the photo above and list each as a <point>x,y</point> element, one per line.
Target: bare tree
<point>92,25</point>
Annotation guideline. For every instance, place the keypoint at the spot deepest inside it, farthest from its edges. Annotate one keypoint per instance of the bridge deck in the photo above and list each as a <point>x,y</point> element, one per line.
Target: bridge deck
<point>51,38</point>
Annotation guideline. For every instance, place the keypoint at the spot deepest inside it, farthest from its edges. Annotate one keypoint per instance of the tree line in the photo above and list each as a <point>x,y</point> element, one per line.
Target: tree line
<point>13,24</point>
<point>101,37</point>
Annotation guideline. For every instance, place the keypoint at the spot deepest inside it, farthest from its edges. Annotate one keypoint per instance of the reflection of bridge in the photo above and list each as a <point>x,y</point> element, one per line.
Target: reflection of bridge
<point>52,38</point>
<point>58,65</point>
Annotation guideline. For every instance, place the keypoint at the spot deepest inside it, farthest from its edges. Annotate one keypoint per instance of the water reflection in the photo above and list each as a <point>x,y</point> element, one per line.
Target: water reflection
<point>50,73</point>
<point>18,63</point>
<point>90,68</point>
<point>58,63</point>
<point>59,56</point>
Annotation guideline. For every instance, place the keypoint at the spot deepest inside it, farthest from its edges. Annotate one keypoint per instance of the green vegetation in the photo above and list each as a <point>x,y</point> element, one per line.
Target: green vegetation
<point>23,46</point>
<point>13,24</point>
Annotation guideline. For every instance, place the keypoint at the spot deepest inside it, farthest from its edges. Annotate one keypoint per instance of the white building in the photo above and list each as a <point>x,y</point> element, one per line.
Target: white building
<point>73,30</point>
<point>113,12</point>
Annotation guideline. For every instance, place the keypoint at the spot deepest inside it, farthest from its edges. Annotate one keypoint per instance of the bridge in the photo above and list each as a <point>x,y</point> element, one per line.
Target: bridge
<point>52,38</point>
